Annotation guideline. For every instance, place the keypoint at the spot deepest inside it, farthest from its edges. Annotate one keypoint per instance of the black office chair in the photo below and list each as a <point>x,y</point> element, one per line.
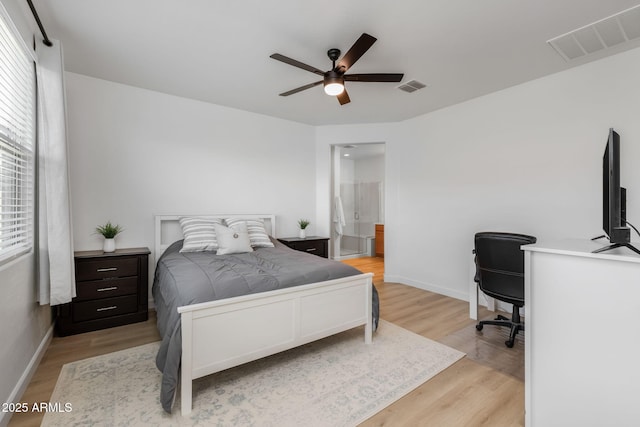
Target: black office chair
<point>500,274</point>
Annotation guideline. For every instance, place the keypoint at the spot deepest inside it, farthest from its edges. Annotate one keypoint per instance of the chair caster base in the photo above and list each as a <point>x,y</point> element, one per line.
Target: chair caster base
<point>514,324</point>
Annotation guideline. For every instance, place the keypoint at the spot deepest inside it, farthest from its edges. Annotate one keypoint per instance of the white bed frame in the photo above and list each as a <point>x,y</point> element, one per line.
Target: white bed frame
<point>218,335</point>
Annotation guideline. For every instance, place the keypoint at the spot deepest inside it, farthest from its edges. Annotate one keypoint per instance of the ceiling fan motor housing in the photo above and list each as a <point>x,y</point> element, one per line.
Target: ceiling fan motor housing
<point>333,77</point>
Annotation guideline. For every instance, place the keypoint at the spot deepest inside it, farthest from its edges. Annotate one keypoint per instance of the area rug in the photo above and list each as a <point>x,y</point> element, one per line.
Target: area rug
<point>337,381</point>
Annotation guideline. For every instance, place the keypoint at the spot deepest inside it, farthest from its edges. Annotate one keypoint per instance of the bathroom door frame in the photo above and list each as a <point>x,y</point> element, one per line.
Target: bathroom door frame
<point>336,158</point>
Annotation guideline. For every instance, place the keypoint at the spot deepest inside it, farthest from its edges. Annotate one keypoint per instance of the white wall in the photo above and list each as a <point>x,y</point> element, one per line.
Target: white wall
<point>25,322</point>
<point>135,153</point>
<point>367,169</point>
<point>527,159</point>
<point>347,170</point>
<point>370,169</point>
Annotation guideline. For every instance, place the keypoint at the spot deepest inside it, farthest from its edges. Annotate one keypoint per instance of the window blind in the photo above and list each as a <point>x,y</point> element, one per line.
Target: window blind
<point>17,136</point>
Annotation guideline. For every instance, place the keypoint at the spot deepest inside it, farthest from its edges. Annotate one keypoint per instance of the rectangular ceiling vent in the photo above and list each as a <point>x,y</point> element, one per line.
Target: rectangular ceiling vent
<point>605,33</point>
<point>411,86</point>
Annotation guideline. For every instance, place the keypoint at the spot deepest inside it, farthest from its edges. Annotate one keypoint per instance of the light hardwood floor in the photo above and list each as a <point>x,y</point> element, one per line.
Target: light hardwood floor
<point>486,388</point>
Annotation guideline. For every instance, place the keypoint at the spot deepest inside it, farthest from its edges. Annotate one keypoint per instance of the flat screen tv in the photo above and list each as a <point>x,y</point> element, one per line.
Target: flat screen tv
<point>614,199</point>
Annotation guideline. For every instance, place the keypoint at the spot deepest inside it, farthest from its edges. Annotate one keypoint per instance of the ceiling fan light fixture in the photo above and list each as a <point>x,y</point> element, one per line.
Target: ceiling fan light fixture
<point>333,89</point>
<point>333,83</point>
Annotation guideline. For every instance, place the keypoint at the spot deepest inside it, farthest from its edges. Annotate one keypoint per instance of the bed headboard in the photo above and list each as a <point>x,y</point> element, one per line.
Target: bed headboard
<point>168,230</point>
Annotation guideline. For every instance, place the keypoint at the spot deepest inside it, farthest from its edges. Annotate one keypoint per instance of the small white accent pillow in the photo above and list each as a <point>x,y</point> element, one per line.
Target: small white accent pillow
<point>257,233</point>
<point>233,240</point>
<point>199,234</point>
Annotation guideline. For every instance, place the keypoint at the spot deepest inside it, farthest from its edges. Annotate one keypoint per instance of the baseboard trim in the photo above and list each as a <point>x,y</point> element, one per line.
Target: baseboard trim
<point>30,370</point>
<point>427,287</point>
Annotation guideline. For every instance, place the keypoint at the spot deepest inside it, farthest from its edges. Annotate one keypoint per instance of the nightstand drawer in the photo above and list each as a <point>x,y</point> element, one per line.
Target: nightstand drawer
<point>95,269</point>
<point>98,309</point>
<point>313,247</point>
<point>106,288</point>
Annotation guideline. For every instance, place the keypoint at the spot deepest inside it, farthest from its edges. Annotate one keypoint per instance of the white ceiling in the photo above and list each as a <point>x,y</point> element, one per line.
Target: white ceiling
<point>218,51</point>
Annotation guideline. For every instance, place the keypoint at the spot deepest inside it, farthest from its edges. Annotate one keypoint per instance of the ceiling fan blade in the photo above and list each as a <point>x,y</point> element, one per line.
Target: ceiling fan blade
<point>301,88</point>
<point>375,77</point>
<point>343,98</point>
<point>357,50</point>
<point>295,63</point>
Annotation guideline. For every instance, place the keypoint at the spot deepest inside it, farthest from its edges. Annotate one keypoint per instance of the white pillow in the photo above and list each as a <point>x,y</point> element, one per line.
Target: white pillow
<point>257,233</point>
<point>199,234</point>
<point>233,240</point>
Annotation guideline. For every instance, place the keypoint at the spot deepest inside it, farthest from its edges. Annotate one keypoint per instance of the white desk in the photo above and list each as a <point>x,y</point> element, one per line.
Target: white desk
<point>582,353</point>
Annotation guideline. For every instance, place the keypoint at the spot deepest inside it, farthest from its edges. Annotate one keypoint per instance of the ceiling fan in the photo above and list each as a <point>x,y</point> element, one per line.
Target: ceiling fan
<point>334,79</point>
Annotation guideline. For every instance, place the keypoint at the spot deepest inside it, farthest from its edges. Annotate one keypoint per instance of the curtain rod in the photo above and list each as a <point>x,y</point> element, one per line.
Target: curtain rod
<point>35,15</point>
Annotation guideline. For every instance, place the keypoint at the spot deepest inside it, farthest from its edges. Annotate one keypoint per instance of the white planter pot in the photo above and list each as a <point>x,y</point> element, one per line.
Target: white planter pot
<point>109,245</point>
<point>303,234</point>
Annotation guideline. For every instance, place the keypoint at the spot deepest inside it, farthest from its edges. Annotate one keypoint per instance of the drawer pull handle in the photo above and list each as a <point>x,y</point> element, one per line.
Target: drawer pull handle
<point>102,270</point>
<point>113,307</point>
<point>312,249</point>
<point>111,288</point>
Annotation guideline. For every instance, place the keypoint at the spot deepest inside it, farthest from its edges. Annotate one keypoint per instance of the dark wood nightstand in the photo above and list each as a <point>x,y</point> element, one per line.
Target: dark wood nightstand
<point>313,244</point>
<point>111,290</point>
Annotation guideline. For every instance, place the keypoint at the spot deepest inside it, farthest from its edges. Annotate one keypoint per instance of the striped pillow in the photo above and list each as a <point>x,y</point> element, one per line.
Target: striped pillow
<point>257,233</point>
<point>199,234</point>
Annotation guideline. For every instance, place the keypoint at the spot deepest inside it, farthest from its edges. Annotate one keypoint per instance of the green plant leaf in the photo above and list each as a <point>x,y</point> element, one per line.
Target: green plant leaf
<point>109,231</point>
<point>303,223</point>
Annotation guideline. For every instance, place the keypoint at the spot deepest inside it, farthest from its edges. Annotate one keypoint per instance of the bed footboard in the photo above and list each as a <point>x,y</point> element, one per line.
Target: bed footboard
<point>218,335</point>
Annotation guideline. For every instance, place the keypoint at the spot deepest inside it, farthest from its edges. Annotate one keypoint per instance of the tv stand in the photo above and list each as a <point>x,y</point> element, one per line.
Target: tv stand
<point>616,245</point>
<point>601,293</point>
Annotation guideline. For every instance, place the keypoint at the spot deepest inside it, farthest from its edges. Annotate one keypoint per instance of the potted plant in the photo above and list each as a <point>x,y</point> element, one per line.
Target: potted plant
<point>303,224</point>
<point>109,232</point>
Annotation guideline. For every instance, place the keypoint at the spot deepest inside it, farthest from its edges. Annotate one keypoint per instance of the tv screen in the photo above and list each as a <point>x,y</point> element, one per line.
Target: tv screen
<point>613,196</point>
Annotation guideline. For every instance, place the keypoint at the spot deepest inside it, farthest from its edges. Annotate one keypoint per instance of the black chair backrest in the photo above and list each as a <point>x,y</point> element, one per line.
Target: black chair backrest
<point>500,265</point>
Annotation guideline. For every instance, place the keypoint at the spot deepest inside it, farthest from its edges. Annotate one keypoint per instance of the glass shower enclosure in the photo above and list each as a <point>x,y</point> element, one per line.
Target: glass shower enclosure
<point>362,204</point>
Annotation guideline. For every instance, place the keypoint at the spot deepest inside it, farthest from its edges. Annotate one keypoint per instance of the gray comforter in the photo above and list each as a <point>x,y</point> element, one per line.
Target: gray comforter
<point>189,278</point>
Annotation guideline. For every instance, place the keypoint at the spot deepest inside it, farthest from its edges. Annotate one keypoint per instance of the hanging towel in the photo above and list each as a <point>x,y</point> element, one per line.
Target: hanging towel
<point>338,216</point>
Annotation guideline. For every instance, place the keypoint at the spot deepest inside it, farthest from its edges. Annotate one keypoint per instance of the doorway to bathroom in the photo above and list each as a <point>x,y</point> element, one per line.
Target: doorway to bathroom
<point>358,202</point>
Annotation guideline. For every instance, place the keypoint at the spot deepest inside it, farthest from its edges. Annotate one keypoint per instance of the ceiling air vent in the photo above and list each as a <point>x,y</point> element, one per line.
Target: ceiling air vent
<point>411,86</point>
<point>619,28</point>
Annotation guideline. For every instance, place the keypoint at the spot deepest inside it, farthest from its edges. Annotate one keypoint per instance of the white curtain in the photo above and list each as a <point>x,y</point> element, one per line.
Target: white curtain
<point>55,241</point>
